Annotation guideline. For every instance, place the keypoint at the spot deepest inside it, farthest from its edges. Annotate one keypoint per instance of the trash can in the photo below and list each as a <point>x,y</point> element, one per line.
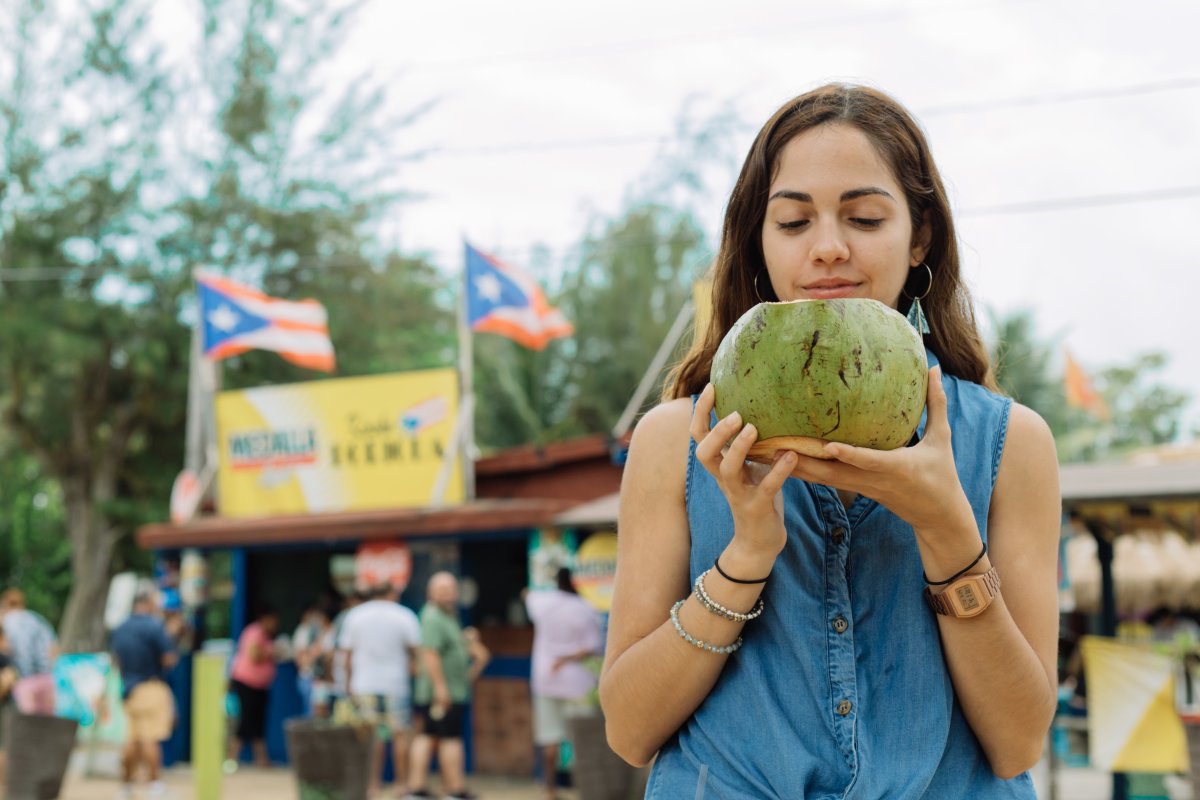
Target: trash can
<point>39,749</point>
<point>331,761</point>
<point>1191,726</point>
<point>599,773</point>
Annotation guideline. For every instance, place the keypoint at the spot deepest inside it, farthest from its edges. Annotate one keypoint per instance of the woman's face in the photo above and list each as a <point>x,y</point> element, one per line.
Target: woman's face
<point>837,221</point>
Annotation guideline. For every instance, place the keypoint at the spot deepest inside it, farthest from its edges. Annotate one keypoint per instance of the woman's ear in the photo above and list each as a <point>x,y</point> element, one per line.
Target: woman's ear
<point>920,241</point>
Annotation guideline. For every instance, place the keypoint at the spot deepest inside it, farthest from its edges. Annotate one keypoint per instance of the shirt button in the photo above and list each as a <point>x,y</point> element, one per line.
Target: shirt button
<point>838,535</point>
<point>843,708</point>
<point>840,625</point>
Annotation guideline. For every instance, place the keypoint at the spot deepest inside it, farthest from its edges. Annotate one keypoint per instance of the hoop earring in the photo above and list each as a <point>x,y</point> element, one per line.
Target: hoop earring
<point>757,293</point>
<point>916,317</point>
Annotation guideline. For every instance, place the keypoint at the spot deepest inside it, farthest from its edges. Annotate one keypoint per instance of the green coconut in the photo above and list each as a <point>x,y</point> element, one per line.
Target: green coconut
<point>807,372</point>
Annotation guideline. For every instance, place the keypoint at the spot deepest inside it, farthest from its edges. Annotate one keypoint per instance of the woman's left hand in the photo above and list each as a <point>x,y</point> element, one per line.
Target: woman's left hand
<point>919,484</point>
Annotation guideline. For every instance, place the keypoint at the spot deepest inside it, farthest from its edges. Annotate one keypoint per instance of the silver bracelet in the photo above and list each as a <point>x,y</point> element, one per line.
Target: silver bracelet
<point>692,640</point>
<point>722,611</point>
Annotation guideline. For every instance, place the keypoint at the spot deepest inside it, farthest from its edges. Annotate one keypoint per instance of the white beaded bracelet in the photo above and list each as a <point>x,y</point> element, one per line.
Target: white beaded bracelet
<point>692,640</point>
<point>722,611</point>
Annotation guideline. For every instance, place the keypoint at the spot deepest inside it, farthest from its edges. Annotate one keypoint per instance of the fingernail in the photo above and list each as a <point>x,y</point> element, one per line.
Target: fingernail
<point>733,417</point>
<point>747,431</point>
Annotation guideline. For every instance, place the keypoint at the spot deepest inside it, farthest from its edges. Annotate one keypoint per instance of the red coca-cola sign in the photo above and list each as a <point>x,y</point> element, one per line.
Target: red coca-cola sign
<point>377,563</point>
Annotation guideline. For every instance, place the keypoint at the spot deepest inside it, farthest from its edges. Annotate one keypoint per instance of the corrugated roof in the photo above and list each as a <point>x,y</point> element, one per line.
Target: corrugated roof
<point>594,513</point>
<point>1139,483</point>
<point>1081,484</point>
<point>481,516</point>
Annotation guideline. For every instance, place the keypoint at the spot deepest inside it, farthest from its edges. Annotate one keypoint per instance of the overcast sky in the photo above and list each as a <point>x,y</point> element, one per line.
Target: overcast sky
<point>1068,132</point>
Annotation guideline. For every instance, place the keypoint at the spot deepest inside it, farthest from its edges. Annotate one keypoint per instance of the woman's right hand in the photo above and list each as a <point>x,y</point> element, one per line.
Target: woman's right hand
<point>751,488</point>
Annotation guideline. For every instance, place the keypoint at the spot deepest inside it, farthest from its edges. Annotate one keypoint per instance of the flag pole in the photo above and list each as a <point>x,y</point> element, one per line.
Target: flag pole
<point>193,460</point>
<point>203,383</point>
<point>466,369</point>
<point>462,439</point>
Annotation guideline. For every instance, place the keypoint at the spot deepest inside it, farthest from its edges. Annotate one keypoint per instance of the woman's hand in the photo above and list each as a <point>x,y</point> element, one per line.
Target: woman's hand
<point>751,489</point>
<point>919,484</point>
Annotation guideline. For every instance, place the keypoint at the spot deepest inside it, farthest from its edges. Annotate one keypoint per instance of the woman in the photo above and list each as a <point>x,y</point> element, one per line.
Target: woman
<point>848,683</point>
<point>251,677</point>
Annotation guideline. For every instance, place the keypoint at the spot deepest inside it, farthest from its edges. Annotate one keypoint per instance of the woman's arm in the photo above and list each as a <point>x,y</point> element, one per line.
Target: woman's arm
<point>1004,669</point>
<point>652,678</point>
<point>1002,661</point>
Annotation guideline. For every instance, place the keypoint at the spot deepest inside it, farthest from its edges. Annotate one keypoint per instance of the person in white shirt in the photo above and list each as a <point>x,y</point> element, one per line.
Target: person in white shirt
<point>381,638</point>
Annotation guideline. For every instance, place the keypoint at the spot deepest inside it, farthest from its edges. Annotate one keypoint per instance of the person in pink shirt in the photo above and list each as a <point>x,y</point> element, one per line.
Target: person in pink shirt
<point>251,678</point>
<point>566,630</point>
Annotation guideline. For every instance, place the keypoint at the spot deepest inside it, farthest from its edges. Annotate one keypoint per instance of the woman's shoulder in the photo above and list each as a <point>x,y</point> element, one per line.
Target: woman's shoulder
<point>660,445</point>
<point>663,429</point>
<point>667,418</point>
<point>1029,434</point>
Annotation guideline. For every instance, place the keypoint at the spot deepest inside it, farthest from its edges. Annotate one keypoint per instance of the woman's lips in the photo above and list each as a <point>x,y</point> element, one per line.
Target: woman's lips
<point>831,291</point>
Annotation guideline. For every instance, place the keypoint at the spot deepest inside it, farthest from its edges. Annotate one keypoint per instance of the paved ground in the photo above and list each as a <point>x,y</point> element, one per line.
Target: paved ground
<point>278,784</point>
<point>1074,783</point>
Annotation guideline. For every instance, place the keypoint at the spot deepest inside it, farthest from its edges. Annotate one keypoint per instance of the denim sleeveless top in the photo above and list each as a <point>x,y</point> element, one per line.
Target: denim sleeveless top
<point>840,690</point>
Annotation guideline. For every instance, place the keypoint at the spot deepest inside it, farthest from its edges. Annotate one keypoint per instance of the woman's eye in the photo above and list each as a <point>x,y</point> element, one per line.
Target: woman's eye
<point>793,225</point>
<point>866,223</point>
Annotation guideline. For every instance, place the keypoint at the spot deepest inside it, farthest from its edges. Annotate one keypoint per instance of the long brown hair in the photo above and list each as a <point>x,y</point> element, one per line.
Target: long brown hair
<point>954,335</point>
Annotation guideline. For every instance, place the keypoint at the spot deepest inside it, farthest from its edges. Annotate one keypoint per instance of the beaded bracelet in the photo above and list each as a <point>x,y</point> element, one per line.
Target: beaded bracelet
<point>692,640</point>
<point>720,610</point>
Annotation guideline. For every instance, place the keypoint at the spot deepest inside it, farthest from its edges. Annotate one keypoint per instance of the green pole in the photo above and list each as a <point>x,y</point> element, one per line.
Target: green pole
<point>208,724</point>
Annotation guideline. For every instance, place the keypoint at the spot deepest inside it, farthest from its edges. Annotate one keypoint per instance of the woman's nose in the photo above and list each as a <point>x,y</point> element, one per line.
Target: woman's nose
<point>829,246</point>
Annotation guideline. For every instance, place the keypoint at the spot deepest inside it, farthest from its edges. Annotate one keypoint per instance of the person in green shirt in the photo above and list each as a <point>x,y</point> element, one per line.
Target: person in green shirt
<point>451,659</point>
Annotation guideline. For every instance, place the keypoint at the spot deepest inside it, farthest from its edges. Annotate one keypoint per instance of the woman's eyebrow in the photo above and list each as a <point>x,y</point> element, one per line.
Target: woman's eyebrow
<point>849,194</point>
<point>865,191</point>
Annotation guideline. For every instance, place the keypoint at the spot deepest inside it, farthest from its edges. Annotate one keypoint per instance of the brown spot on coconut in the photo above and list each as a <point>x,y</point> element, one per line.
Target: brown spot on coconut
<point>805,344</point>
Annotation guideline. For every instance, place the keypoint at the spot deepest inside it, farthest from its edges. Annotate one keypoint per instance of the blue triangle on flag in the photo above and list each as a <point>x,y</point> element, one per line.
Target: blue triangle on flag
<point>488,288</point>
<point>225,318</point>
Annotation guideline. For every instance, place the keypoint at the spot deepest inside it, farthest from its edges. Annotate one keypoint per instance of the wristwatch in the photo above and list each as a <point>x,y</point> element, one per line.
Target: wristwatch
<point>968,596</point>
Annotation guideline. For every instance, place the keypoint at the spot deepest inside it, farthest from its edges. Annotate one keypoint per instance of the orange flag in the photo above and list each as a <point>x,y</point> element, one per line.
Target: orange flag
<point>1080,391</point>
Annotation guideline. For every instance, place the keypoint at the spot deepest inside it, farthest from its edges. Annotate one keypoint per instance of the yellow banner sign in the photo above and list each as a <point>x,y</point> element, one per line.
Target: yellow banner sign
<point>337,445</point>
<point>595,569</point>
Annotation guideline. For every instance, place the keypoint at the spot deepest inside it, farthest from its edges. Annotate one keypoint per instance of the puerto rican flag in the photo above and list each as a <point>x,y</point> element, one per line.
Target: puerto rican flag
<point>237,318</point>
<point>505,301</point>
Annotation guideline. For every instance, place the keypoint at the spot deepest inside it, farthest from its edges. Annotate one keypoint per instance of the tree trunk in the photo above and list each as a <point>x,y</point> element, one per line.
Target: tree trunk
<point>93,540</point>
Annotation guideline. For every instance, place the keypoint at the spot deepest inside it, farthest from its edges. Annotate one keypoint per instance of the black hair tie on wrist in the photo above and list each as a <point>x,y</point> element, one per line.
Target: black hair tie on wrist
<point>961,572</point>
<point>723,574</point>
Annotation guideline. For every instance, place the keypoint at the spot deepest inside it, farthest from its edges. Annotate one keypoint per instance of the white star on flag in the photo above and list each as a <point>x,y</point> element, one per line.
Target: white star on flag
<point>224,318</point>
<point>488,287</point>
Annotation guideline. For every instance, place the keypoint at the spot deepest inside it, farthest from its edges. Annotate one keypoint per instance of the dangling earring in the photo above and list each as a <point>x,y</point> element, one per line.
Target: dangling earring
<point>757,293</point>
<point>916,317</point>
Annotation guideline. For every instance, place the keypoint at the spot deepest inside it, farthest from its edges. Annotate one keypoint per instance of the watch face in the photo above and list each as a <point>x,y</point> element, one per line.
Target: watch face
<point>967,599</point>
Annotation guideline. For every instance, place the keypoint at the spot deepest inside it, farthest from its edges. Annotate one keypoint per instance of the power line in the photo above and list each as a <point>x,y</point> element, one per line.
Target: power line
<point>51,273</point>
<point>607,49</point>
<point>1183,83</point>
<point>1102,93</point>
<point>1085,201</point>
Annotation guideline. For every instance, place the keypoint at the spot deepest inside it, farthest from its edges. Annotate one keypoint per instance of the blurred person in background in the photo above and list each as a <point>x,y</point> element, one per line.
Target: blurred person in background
<point>144,653</point>
<point>251,677</point>
<point>308,650</point>
<point>566,632</point>
<point>34,647</point>
<point>337,656</point>
<point>381,638</point>
<point>451,660</point>
<point>8,678</point>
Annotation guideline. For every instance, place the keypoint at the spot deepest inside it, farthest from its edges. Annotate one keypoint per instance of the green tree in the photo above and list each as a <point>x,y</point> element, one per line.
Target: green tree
<point>80,117</point>
<point>101,176</point>
<point>1144,412</point>
<point>34,553</point>
<point>288,190</point>
<point>622,288</point>
<point>634,274</point>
